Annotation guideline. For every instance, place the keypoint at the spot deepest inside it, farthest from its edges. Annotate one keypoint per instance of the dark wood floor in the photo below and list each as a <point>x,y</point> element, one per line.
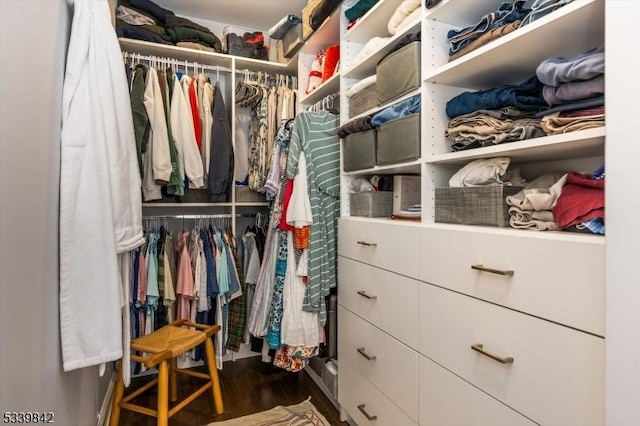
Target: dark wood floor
<point>248,386</point>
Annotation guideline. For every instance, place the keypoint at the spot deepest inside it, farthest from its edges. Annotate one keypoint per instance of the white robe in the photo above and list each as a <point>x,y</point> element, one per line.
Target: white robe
<point>100,201</point>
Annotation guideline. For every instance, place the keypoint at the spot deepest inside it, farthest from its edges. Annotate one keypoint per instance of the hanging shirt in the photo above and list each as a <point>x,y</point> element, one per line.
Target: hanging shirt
<point>153,293</point>
<point>169,277</point>
<point>184,286</point>
<point>222,158</point>
<point>195,111</point>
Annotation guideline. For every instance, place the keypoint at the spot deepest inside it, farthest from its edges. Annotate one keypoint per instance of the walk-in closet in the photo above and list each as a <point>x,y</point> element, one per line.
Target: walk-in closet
<point>327,212</point>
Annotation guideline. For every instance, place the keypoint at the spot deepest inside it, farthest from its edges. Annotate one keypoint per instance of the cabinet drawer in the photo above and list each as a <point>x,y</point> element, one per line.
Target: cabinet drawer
<point>447,400</point>
<point>391,366</point>
<point>393,247</point>
<point>386,300</point>
<point>355,391</point>
<point>557,373</point>
<point>560,278</point>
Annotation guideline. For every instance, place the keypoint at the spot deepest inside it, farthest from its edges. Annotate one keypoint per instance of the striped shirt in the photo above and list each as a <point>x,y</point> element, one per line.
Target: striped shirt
<point>316,134</point>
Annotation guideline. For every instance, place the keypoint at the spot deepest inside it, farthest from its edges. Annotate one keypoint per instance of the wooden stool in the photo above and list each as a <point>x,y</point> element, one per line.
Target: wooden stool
<point>162,348</point>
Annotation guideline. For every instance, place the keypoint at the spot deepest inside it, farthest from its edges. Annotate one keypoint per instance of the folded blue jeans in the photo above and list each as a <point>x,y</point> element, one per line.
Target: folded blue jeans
<point>526,96</point>
<point>401,109</point>
<point>505,14</point>
<point>541,8</point>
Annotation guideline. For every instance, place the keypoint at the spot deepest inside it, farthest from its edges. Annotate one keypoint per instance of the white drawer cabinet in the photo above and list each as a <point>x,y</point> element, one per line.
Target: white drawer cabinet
<point>556,374</point>
<point>388,364</point>
<point>386,300</point>
<point>389,246</point>
<point>560,279</point>
<point>447,400</point>
<point>365,404</point>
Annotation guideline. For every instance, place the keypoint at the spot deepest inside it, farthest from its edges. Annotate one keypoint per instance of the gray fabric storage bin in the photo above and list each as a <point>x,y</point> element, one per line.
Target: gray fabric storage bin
<point>477,205</point>
<point>398,140</point>
<point>359,150</point>
<point>362,101</point>
<point>371,204</point>
<point>398,73</point>
<point>292,41</point>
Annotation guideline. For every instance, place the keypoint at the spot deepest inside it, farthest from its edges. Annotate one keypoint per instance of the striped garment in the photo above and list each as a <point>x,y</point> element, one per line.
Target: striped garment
<point>316,134</point>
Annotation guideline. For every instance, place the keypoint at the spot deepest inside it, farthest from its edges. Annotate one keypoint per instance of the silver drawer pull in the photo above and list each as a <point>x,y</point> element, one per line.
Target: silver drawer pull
<point>368,296</point>
<point>478,348</point>
<point>492,271</point>
<point>364,243</point>
<point>369,417</point>
<point>362,352</point>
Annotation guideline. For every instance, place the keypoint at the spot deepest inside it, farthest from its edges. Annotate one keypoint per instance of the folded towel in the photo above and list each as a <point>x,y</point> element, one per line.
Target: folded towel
<point>361,85</point>
<point>370,47</point>
<point>540,194</point>
<point>406,8</point>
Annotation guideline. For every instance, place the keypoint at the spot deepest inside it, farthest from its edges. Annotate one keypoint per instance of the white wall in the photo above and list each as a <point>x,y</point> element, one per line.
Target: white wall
<point>623,231</point>
<point>33,44</point>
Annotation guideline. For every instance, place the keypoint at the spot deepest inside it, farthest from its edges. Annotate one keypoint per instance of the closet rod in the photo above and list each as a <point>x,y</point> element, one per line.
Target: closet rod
<point>126,56</point>
<point>199,216</point>
<point>325,103</point>
<point>176,62</point>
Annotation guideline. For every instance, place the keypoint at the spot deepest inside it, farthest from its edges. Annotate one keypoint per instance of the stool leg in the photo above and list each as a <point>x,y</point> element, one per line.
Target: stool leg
<point>213,373</point>
<point>117,398</point>
<point>173,380</point>
<point>163,394</point>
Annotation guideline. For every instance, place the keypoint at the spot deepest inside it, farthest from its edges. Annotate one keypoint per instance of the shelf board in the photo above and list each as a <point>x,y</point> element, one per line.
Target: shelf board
<point>367,66</point>
<point>382,220</point>
<point>513,58</point>
<point>252,204</point>
<point>544,235</point>
<point>332,85</point>
<point>462,13</point>
<point>374,23</point>
<point>184,205</point>
<point>205,58</point>
<point>383,106</point>
<point>580,144</point>
<point>412,167</point>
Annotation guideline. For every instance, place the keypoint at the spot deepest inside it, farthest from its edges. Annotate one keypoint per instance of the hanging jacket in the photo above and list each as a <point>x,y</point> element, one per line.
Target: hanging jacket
<point>100,203</point>
<point>184,136</point>
<point>221,163</point>
<point>157,160</point>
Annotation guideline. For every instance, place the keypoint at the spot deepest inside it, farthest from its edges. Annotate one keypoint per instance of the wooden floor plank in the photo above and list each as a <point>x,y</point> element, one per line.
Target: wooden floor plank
<point>248,386</point>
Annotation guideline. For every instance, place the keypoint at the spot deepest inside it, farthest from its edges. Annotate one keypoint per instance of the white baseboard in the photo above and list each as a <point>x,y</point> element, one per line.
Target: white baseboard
<point>318,380</point>
<point>105,409</point>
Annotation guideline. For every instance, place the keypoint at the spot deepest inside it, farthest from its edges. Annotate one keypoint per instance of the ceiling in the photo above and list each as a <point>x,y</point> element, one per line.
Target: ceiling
<point>254,14</point>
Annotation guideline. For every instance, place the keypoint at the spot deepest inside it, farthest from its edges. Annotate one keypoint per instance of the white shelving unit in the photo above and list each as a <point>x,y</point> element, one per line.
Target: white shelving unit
<point>327,35</point>
<point>378,253</point>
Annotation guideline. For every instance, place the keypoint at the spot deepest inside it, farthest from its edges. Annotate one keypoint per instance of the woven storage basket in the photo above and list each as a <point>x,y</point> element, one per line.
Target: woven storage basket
<point>371,204</point>
<point>363,101</point>
<point>479,205</point>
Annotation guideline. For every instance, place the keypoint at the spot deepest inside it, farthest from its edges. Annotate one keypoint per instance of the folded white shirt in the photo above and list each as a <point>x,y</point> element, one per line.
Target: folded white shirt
<point>399,18</point>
